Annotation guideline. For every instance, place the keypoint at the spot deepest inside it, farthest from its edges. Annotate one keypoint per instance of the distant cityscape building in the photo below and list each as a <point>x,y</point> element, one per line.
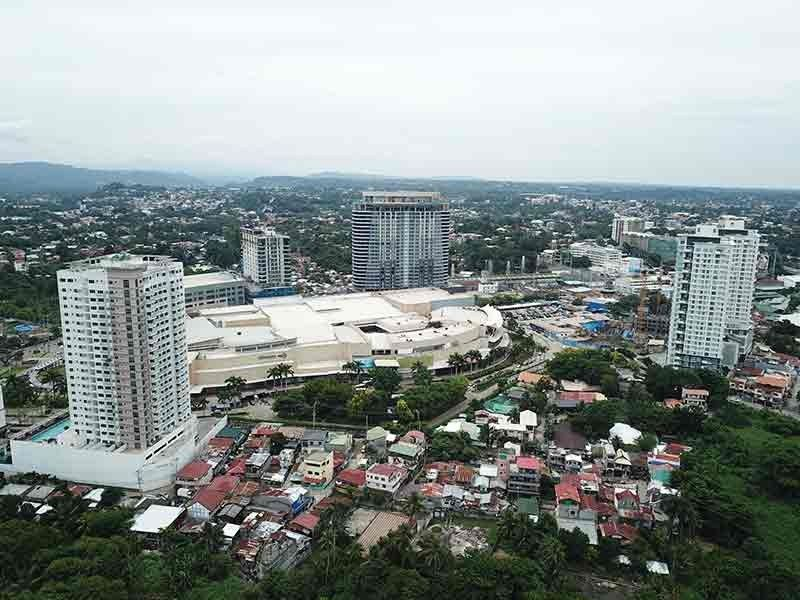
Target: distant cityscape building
<point>623,225</point>
<point>608,260</point>
<point>123,322</point>
<point>209,290</point>
<point>663,246</point>
<point>264,260</point>
<point>715,269</point>
<point>400,240</point>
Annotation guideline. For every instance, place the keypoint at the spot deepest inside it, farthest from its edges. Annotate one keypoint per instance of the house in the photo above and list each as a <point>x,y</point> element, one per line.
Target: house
<point>224,483</point>
<point>196,474</point>
<point>317,468</point>
<point>204,503</point>
<point>281,503</point>
<point>461,425</point>
<point>376,441</point>
<point>573,463</point>
<point>313,439</point>
<point>626,434</point>
<point>626,502</point>
<point>523,476</point>
<point>695,397</point>
<point>577,386</point>
<point>153,522</point>
<point>356,478</point>
<point>516,393</point>
<point>254,465</point>
<point>405,454</point>
<point>529,378</point>
<point>576,512</point>
<point>340,442</point>
<point>370,526</point>
<point>305,524</point>
<point>568,400</point>
<point>414,437</point>
<point>234,433</point>
<point>624,533</point>
<point>565,437</point>
<point>386,478</point>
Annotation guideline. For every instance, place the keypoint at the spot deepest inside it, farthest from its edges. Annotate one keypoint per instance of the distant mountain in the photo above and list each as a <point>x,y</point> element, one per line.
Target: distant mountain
<point>351,176</point>
<point>43,177</point>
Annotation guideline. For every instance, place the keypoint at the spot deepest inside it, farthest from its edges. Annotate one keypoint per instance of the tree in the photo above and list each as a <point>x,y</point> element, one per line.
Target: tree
<point>473,357</point>
<point>354,368</point>
<point>422,377</point>
<point>414,505</point>
<point>386,380</point>
<point>56,378</point>
<point>435,556</point>
<point>456,361</point>
<point>234,385</point>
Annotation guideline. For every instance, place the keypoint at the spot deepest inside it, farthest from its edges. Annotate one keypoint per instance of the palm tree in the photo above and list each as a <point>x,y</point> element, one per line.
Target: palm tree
<point>433,553</point>
<point>681,512</point>
<point>551,556</point>
<point>234,386</point>
<point>56,379</point>
<point>506,527</point>
<point>457,361</point>
<point>354,368</point>
<point>275,374</point>
<point>474,357</point>
<point>287,372</point>
<point>414,505</point>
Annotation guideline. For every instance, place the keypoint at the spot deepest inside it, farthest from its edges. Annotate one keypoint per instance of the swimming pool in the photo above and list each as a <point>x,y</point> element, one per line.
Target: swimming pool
<point>52,432</point>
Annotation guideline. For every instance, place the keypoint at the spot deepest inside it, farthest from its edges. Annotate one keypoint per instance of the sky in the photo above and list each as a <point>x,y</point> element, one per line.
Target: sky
<point>680,92</point>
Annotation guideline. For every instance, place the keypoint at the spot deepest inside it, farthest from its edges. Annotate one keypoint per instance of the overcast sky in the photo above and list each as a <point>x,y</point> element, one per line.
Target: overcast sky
<point>699,92</point>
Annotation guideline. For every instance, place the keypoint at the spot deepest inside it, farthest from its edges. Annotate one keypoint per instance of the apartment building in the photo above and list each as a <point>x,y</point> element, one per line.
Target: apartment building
<point>712,298</point>
<point>123,323</point>
<point>622,225</point>
<point>264,259</point>
<point>524,475</point>
<point>400,240</point>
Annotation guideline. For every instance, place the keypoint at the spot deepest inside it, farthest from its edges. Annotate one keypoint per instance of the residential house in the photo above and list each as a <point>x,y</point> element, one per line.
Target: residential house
<point>576,512</point>
<point>151,524</point>
<point>624,533</point>
<point>376,441</point>
<point>529,378</point>
<point>305,524</point>
<point>313,439</point>
<point>568,400</point>
<point>354,478</point>
<point>317,468</point>
<point>196,474</point>
<point>461,425</point>
<point>524,476</point>
<point>204,503</point>
<point>339,441</point>
<point>386,478</point>
<point>695,397</point>
<point>254,465</point>
<point>406,454</point>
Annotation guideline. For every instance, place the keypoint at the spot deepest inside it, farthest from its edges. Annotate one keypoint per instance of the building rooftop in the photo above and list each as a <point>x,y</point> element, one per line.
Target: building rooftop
<point>203,279</point>
<point>156,518</point>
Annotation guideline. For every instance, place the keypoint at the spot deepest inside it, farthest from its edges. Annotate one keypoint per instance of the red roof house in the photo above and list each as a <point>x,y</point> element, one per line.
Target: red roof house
<point>354,477</point>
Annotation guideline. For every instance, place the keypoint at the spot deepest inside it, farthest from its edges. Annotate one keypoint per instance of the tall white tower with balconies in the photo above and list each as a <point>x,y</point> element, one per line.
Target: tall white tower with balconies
<point>400,240</point>
<point>715,269</point>
<point>124,336</point>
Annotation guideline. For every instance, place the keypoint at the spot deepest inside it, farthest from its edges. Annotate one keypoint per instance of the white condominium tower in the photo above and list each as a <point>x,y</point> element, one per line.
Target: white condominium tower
<point>264,256</point>
<point>400,240</point>
<point>715,270</point>
<point>123,323</point>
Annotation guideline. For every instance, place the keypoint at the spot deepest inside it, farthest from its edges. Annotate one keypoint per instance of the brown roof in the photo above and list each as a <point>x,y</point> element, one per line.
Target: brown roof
<point>463,474</point>
<point>194,470</point>
<point>565,437</point>
<point>211,499</point>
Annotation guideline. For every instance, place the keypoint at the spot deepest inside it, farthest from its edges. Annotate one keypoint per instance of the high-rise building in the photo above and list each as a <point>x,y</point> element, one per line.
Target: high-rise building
<point>123,324</point>
<point>715,269</point>
<point>400,240</point>
<point>264,259</point>
<point>623,225</point>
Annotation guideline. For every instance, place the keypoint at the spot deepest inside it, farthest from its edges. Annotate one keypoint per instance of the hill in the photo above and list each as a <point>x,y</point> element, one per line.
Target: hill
<point>43,177</point>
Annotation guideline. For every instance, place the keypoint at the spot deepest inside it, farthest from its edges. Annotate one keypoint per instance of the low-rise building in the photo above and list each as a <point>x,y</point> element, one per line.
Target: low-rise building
<point>524,476</point>
<point>213,290</point>
<point>317,468</point>
<point>196,474</point>
<point>386,478</point>
<point>695,397</point>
